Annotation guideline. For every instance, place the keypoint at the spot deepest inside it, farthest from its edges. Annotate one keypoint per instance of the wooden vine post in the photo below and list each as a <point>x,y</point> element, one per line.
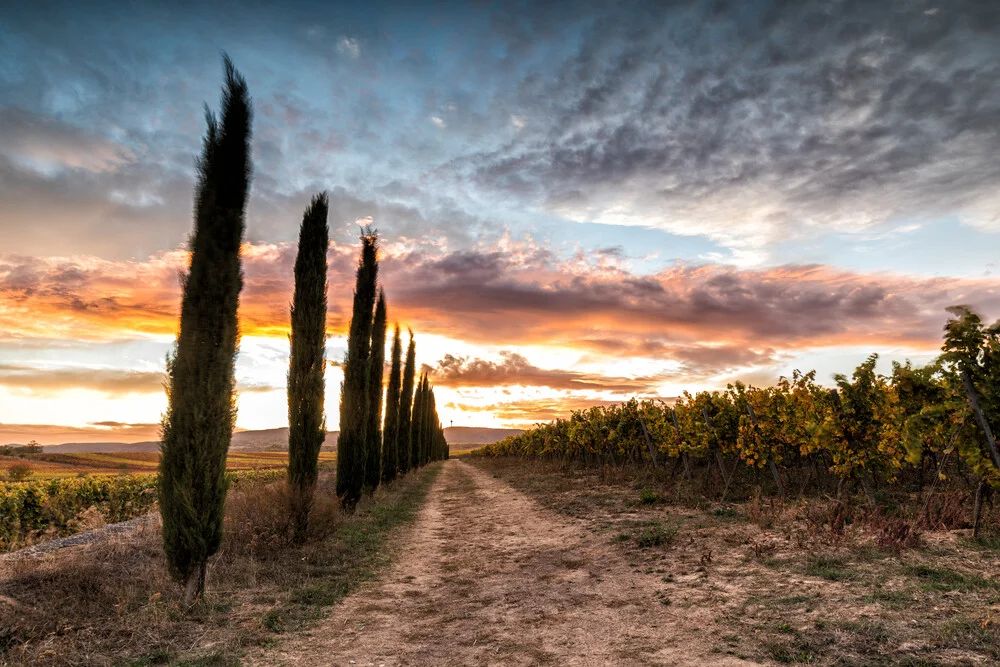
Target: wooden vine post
<point>718,457</point>
<point>983,490</point>
<point>684,456</point>
<point>649,441</point>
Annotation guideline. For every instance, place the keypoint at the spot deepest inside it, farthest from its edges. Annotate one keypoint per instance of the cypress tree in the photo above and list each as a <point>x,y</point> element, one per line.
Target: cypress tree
<point>376,368</point>
<point>306,383</point>
<point>406,409</point>
<point>354,401</point>
<point>417,425</point>
<point>390,432</point>
<point>198,424</point>
<point>435,433</point>
<point>429,425</point>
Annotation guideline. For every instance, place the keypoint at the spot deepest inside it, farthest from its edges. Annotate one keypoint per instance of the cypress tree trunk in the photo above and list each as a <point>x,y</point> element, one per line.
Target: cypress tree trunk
<point>390,432</point>
<point>201,411</point>
<point>417,424</point>
<point>406,409</point>
<point>353,392</point>
<point>306,383</point>
<point>376,367</point>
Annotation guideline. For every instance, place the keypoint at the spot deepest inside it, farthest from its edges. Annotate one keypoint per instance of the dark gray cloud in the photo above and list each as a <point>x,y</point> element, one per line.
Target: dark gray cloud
<point>754,122</point>
<point>528,297</point>
<point>749,123</point>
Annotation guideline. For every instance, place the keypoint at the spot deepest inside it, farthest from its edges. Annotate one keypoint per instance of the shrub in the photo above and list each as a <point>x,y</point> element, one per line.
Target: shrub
<point>654,536</point>
<point>258,519</point>
<point>19,472</point>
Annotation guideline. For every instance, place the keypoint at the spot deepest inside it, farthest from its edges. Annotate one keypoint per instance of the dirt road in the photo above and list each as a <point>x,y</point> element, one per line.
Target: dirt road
<point>488,577</point>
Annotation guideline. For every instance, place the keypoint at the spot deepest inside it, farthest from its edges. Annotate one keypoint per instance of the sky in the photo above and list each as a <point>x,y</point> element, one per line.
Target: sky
<point>579,202</point>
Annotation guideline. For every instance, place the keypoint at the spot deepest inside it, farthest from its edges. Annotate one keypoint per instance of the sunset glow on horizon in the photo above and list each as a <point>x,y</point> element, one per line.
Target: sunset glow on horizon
<point>575,207</point>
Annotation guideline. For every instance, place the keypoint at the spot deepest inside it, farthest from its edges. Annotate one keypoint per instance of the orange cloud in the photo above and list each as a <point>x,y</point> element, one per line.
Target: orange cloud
<point>523,413</point>
<point>698,314</point>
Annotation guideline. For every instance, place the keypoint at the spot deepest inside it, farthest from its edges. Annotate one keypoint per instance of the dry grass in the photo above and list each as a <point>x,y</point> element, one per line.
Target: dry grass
<point>113,603</point>
<point>812,581</point>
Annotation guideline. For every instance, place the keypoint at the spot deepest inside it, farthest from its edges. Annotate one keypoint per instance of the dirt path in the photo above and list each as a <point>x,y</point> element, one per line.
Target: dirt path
<point>488,577</point>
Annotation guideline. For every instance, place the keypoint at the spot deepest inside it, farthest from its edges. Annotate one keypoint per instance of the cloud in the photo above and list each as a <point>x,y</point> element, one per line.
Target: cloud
<point>522,413</point>
<point>760,127</point>
<point>349,46</point>
<point>514,369</point>
<point>47,434</point>
<point>105,380</point>
<point>505,298</point>
<point>703,316</point>
<point>47,144</point>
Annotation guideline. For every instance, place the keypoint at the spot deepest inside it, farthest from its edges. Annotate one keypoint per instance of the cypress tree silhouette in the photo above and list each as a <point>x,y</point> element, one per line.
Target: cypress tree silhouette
<point>429,425</point>
<point>417,425</point>
<point>198,424</point>
<point>376,368</point>
<point>406,458</point>
<point>306,382</point>
<point>390,432</point>
<point>434,432</point>
<point>351,456</point>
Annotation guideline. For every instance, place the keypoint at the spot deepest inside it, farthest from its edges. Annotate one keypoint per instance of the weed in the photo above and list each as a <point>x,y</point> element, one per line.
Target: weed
<point>19,472</point>
<point>831,568</point>
<point>727,513</point>
<point>654,536</point>
<point>944,579</point>
<point>649,496</point>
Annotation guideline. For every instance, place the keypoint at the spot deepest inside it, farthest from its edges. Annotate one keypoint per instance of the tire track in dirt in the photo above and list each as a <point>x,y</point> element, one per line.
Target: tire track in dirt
<point>486,576</point>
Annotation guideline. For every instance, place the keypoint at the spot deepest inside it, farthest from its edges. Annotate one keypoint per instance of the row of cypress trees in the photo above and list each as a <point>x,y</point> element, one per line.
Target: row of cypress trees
<point>376,445</point>
<point>198,423</point>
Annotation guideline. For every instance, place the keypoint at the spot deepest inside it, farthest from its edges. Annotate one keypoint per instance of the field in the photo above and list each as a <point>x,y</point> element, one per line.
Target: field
<point>52,466</point>
<point>782,582</point>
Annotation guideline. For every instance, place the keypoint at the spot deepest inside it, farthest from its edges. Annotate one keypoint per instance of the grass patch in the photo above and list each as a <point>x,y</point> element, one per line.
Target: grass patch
<point>654,536</point>
<point>888,598</point>
<point>944,579</point>
<point>831,568</point>
<point>727,513</point>
<point>966,633</point>
<point>649,496</point>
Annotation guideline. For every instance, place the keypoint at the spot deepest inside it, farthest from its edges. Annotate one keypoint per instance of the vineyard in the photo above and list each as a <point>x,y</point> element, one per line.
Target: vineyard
<point>36,509</point>
<point>54,465</point>
<point>912,430</point>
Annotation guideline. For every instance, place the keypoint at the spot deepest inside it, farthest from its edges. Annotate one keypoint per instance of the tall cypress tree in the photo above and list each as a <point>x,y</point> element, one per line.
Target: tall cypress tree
<point>306,382</point>
<point>351,456</point>
<point>417,425</point>
<point>433,426</point>
<point>376,368</point>
<point>390,432</point>
<point>426,437</point>
<point>406,409</point>
<point>198,424</point>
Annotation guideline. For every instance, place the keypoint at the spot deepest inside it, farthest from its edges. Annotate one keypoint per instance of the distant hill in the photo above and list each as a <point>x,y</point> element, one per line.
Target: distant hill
<point>276,439</point>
